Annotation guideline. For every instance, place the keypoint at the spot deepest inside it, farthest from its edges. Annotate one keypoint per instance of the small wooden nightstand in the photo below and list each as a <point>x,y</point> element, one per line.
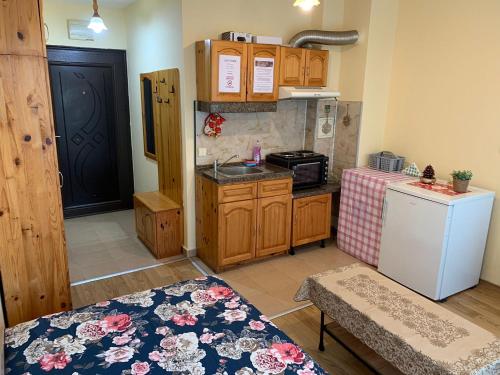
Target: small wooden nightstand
<point>159,224</point>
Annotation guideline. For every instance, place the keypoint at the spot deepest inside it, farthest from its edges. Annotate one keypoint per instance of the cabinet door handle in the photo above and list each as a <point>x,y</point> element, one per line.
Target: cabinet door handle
<point>61,179</point>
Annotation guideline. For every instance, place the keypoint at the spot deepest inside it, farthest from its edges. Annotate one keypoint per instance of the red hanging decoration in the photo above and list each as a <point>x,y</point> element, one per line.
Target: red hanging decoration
<point>213,125</point>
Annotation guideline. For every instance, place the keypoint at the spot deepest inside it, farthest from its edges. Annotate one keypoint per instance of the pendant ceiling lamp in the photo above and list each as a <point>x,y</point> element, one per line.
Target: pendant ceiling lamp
<point>96,23</point>
<point>306,4</point>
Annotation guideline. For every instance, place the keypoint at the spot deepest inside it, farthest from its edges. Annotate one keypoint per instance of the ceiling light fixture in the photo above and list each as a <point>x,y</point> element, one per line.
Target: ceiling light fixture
<point>306,4</point>
<point>96,23</point>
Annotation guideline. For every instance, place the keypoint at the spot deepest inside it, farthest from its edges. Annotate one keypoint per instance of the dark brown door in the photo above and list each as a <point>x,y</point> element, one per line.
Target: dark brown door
<point>93,140</point>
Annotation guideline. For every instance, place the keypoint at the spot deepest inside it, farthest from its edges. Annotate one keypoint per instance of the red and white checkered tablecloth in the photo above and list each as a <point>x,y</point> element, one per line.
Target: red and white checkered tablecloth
<point>360,218</point>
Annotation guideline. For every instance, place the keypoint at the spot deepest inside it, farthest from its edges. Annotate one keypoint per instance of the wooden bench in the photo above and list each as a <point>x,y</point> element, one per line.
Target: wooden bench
<point>413,333</point>
<point>159,223</point>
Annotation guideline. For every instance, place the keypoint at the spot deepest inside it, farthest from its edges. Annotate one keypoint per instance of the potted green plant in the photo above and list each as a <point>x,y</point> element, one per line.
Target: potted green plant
<point>461,181</point>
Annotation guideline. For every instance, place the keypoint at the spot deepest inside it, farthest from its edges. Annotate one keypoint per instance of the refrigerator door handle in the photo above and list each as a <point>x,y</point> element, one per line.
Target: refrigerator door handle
<point>385,207</point>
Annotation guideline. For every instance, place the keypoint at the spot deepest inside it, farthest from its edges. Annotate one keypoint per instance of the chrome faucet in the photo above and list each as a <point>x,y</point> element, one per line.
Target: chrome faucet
<point>217,165</point>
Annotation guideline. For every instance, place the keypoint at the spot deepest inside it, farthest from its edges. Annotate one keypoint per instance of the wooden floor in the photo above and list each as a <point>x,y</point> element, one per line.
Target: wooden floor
<point>480,305</point>
<point>97,291</point>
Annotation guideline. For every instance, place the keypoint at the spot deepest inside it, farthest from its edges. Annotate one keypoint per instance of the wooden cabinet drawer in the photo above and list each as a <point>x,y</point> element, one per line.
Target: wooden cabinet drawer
<point>238,192</point>
<point>274,187</point>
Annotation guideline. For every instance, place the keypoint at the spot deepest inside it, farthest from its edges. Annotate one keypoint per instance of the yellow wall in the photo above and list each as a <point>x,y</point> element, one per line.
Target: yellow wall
<point>444,98</point>
<point>57,13</point>
<point>377,76</point>
<point>203,19</point>
<point>333,19</point>
<point>352,71</point>
<point>365,72</point>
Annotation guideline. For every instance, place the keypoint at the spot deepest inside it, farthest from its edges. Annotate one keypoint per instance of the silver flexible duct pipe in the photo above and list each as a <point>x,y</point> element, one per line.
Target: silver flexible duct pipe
<point>339,38</point>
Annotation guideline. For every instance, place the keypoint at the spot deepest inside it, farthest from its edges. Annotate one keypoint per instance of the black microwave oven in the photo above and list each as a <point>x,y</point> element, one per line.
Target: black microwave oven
<point>310,169</point>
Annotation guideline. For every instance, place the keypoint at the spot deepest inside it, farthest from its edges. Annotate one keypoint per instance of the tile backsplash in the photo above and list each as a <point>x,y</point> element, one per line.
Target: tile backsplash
<point>277,131</point>
<point>347,131</point>
<point>292,127</point>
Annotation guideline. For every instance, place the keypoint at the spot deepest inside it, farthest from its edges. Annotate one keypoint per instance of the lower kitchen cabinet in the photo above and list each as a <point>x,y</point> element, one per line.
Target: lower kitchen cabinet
<point>274,217</point>
<point>236,223</point>
<point>311,219</point>
<point>237,229</point>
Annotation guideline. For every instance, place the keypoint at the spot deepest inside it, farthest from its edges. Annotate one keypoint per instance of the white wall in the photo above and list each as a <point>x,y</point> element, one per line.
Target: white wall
<point>57,13</point>
<point>154,42</point>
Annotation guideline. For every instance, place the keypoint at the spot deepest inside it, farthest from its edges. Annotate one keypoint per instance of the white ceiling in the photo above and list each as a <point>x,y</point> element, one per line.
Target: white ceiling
<point>104,3</point>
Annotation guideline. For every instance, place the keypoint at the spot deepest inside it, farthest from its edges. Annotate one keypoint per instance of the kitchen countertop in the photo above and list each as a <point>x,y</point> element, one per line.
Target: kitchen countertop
<point>270,172</point>
<point>323,189</point>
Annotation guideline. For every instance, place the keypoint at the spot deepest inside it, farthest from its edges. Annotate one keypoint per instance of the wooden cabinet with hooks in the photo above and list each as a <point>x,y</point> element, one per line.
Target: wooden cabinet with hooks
<point>159,214</point>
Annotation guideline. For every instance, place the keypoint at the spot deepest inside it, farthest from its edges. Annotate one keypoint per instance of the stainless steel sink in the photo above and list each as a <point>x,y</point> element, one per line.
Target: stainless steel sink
<point>239,170</point>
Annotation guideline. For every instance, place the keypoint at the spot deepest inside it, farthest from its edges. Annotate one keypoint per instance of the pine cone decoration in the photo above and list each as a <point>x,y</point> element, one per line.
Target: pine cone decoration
<point>429,172</point>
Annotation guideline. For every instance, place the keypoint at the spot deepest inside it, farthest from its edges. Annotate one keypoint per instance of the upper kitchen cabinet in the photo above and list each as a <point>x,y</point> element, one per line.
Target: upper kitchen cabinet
<point>293,66</point>
<point>221,71</point>
<point>303,67</point>
<point>263,72</point>
<point>316,68</point>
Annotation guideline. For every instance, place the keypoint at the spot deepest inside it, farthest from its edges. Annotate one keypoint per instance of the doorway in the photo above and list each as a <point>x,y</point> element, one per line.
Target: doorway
<point>90,101</point>
<point>92,122</point>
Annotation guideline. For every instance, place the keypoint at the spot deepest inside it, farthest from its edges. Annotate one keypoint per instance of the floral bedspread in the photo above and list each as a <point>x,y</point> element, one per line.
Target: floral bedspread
<point>195,327</point>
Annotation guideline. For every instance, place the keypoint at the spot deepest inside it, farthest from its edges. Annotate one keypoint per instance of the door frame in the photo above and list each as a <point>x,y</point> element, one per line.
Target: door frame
<point>117,60</point>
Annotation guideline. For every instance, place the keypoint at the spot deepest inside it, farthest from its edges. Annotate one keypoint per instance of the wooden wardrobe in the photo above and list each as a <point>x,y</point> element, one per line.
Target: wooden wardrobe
<point>33,258</point>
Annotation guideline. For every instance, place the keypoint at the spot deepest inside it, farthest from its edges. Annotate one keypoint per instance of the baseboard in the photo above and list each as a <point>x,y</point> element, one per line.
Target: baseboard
<point>189,253</point>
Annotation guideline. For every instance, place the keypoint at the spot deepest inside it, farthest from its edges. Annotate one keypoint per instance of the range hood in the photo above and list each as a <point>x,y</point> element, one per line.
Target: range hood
<point>306,93</point>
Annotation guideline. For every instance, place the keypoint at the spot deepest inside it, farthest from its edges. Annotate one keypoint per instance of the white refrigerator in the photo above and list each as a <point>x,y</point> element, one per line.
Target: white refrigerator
<point>431,242</point>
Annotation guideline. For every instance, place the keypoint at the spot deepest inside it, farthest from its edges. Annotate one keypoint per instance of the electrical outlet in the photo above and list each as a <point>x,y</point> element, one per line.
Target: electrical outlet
<point>202,151</point>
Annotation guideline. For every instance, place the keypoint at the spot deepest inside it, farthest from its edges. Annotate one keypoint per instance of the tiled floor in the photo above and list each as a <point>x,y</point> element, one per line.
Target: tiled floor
<point>271,284</point>
<point>103,245</point>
